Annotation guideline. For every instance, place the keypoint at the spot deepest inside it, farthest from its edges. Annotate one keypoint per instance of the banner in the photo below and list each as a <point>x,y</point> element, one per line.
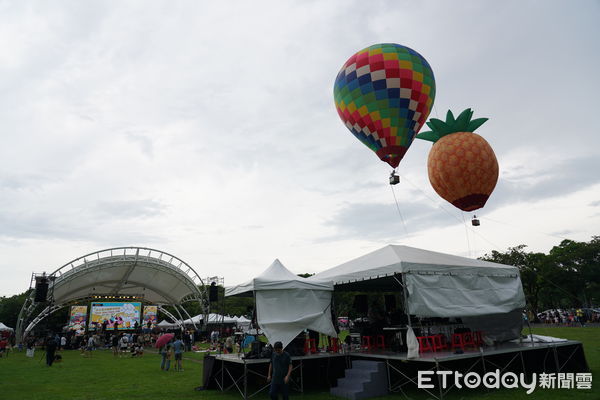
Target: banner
<point>125,315</point>
<point>150,316</point>
<point>77,319</point>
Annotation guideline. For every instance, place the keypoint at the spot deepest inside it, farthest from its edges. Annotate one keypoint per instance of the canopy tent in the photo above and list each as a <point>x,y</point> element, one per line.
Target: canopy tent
<point>287,304</point>
<point>166,324</point>
<point>5,328</point>
<point>243,323</point>
<point>438,284</point>
<point>212,319</point>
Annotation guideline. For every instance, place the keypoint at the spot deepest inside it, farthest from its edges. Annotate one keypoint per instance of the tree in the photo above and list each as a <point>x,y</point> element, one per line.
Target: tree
<point>10,308</point>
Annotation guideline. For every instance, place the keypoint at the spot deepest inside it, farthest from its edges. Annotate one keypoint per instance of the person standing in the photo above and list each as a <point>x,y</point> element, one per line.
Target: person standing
<point>165,353</point>
<point>123,342</point>
<point>178,347</point>
<point>114,339</point>
<point>280,370</point>
<point>51,346</point>
<point>90,346</point>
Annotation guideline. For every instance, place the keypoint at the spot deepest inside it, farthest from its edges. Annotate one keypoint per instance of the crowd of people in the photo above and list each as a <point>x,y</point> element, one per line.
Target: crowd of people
<point>123,344</point>
<point>571,317</point>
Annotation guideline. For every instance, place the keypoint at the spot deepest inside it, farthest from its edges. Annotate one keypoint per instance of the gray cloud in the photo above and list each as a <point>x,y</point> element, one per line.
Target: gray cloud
<point>381,222</point>
<point>558,180</point>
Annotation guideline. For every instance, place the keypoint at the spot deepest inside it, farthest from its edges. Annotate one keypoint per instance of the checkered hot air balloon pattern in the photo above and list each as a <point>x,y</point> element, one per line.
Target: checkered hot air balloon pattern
<point>384,94</point>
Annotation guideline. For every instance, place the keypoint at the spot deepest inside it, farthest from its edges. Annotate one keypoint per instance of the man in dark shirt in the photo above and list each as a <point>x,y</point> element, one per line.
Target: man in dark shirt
<point>280,370</point>
<point>50,349</point>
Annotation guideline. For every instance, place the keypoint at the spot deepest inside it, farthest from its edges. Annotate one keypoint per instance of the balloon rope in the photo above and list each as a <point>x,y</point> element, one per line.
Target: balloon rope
<point>467,234</point>
<point>398,208</point>
<point>437,203</point>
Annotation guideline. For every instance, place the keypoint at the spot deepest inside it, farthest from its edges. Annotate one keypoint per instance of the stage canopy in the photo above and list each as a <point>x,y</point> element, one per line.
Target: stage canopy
<point>439,285</point>
<point>118,274</point>
<point>286,304</point>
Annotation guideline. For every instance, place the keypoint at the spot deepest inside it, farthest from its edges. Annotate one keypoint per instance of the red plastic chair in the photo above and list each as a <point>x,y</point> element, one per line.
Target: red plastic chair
<point>439,342</point>
<point>469,339</point>
<point>335,346</point>
<point>457,341</point>
<point>424,344</point>
<point>367,342</point>
<point>310,346</point>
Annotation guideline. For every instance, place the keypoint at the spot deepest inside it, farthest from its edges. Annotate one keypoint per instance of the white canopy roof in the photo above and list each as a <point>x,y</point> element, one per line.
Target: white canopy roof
<point>5,328</point>
<point>287,304</point>
<point>158,277</point>
<point>166,324</point>
<point>278,277</point>
<point>394,259</point>
<point>439,285</point>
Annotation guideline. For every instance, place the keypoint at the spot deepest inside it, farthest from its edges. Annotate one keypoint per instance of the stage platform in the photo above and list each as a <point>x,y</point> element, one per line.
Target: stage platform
<point>321,370</point>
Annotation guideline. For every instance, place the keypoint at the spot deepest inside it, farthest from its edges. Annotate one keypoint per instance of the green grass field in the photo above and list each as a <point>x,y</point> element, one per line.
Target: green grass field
<point>104,377</point>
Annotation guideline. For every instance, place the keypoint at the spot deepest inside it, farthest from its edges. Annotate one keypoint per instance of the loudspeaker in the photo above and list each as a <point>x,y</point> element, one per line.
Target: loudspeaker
<point>213,292</point>
<point>41,289</point>
<point>390,302</point>
<point>361,303</point>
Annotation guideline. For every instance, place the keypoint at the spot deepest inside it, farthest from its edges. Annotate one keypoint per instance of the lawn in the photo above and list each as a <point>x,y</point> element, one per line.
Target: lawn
<point>104,377</point>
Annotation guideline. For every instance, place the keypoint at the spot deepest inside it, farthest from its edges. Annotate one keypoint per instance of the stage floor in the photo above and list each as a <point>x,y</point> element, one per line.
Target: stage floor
<point>439,356</point>
<point>321,370</point>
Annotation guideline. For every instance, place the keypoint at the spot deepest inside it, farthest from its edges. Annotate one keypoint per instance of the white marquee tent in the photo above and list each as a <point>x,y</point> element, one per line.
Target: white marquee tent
<point>483,294</point>
<point>439,285</point>
<point>286,304</point>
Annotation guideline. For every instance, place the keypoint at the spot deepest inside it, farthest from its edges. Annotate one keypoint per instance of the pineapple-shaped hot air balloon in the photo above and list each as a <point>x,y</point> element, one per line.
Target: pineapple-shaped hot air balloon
<point>462,166</point>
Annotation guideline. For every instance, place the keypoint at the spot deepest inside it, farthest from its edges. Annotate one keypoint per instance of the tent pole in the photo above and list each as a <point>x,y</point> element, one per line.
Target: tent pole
<point>404,290</point>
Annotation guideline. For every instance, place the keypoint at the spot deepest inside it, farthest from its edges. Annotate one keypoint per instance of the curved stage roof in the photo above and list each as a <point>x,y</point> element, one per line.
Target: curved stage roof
<point>151,275</point>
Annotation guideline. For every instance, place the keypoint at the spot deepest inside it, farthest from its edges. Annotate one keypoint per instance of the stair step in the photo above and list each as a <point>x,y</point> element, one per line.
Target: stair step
<point>364,380</point>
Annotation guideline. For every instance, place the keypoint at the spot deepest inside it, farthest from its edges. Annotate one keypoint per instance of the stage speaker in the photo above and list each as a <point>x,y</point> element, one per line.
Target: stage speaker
<point>213,292</point>
<point>41,289</point>
<point>361,303</point>
<point>390,302</point>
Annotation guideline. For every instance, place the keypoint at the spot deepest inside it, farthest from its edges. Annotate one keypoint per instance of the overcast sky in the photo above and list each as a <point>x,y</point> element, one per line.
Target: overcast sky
<point>208,130</point>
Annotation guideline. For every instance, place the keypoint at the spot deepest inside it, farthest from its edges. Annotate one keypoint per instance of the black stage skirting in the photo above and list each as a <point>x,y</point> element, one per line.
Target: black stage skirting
<point>321,371</point>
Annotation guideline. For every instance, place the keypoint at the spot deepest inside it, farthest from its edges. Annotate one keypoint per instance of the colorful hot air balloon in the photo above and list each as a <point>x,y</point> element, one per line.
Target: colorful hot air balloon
<point>384,94</point>
<point>462,166</point>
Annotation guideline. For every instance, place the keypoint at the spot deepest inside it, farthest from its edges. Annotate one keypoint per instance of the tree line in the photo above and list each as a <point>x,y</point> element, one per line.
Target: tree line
<point>567,277</point>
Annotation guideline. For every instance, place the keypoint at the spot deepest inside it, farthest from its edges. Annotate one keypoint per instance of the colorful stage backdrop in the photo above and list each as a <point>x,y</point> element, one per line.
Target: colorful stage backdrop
<point>150,315</point>
<point>126,314</point>
<point>77,319</point>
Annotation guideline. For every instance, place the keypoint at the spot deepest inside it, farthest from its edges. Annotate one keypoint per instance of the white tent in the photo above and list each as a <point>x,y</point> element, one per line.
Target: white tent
<point>439,285</point>
<point>166,324</point>
<point>5,328</point>
<point>286,304</point>
<point>243,322</point>
<point>212,319</point>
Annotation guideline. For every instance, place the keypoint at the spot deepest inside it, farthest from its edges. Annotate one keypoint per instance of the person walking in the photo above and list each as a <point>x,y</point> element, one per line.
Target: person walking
<point>280,370</point>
